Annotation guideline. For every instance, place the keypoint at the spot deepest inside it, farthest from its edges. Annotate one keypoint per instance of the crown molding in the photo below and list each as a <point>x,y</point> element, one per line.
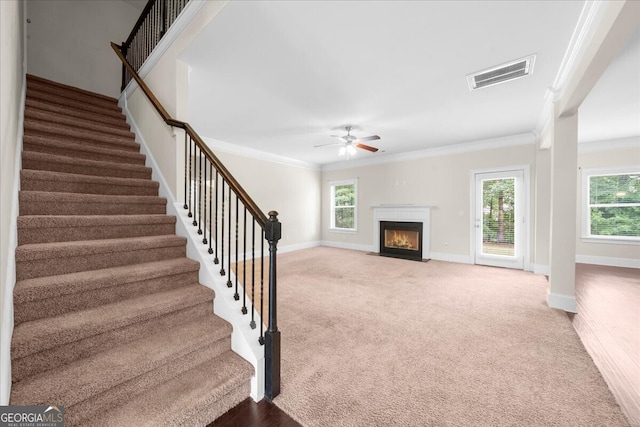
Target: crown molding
<point>486,144</point>
<point>609,144</point>
<point>239,150</point>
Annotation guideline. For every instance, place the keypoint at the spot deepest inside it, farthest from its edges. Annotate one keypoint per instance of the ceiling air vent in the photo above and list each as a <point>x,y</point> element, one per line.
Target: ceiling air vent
<point>501,73</point>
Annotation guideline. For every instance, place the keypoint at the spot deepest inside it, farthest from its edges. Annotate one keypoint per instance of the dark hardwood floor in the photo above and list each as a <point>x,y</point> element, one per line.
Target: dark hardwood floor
<point>251,414</point>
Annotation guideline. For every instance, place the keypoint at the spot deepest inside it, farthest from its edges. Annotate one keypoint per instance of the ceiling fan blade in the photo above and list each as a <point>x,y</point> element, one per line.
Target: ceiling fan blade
<point>337,136</point>
<point>326,145</point>
<point>367,147</point>
<point>369,138</point>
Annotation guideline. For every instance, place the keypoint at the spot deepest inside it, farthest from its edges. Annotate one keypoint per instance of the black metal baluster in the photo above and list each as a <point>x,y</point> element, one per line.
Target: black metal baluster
<point>244,262</point>
<point>215,256</point>
<point>199,192</point>
<point>185,171</point>
<point>193,178</point>
<point>222,233</point>
<point>210,208</point>
<point>229,284</point>
<point>261,338</point>
<point>189,180</point>
<point>253,273</point>
<point>236,295</point>
<point>204,205</point>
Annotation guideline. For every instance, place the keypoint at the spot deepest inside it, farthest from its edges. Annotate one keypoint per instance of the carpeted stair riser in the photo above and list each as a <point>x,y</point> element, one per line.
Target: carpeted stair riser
<point>84,411</point>
<point>75,105</point>
<point>109,314</point>
<point>116,120</point>
<point>55,163</point>
<point>68,93</point>
<point>50,359</point>
<point>42,144</point>
<point>52,259</point>
<point>40,203</point>
<point>61,228</point>
<point>222,376</point>
<point>55,295</point>
<point>35,127</point>
<point>132,360</point>
<point>58,182</point>
<point>47,117</point>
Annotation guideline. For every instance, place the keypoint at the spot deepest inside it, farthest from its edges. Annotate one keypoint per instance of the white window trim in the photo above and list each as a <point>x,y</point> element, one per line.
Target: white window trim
<point>586,211</point>
<point>332,185</point>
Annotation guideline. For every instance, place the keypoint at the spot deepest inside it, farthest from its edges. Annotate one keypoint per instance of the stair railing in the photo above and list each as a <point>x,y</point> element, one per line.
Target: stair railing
<point>154,21</point>
<point>209,192</point>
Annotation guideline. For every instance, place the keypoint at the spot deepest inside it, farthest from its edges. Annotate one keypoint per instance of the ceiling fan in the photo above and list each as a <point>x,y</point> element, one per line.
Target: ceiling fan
<point>350,143</point>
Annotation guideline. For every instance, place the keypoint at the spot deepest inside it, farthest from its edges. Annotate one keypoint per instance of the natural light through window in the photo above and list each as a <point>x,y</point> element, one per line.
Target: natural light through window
<point>343,205</point>
<point>611,203</point>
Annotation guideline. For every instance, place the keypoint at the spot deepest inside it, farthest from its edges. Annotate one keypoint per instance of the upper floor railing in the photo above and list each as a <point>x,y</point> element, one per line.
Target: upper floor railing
<point>153,23</point>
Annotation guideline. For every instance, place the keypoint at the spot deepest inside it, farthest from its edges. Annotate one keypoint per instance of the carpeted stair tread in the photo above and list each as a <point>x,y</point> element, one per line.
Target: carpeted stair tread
<point>50,203</point>
<point>36,127</point>
<point>195,398</point>
<point>50,181</point>
<point>51,259</point>
<point>63,119</point>
<point>67,92</point>
<point>115,120</point>
<point>56,295</point>
<point>68,228</point>
<point>44,144</point>
<point>129,146</point>
<point>57,163</point>
<point>87,377</point>
<point>44,288</point>
<point>44,334</point>
<point>72,104</point>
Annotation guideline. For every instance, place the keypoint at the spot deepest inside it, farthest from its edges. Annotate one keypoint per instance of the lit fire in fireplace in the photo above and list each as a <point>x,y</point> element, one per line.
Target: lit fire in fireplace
<point>399,239</point>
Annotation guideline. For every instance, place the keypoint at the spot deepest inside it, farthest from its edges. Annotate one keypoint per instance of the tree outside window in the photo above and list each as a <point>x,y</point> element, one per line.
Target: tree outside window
<point>613,204</point>
<point>343,205</point>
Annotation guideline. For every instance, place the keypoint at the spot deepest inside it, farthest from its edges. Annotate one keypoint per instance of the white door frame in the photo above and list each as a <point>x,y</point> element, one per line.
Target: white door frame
<point>525,233</point>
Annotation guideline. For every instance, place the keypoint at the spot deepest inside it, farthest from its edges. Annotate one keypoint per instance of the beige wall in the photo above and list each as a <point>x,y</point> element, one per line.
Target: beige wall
<point>11,87</point>
<point>443,181</point>
<point>605,154</point>
<point>292,191</point>
<point>69,41</point>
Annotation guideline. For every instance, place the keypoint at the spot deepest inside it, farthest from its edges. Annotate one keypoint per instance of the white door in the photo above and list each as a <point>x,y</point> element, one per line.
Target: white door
<point>499,219</point>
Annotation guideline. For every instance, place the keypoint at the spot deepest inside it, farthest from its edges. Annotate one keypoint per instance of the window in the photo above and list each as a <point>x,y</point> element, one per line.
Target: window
<point>343,205</point>
<point>611,203</point>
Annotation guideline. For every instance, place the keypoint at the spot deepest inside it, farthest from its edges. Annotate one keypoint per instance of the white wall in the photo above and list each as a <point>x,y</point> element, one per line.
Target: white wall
<point>605,154</point>
<point>69,41</point>
<point>442,179</point>
<point>11,111</point>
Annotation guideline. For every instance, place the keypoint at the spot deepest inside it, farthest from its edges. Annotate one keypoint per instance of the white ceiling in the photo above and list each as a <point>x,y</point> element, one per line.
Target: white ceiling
<point>280,77</point>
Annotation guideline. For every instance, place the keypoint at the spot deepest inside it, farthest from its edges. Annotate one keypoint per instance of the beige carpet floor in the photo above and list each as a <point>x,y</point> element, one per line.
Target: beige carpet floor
<point>373,341</point>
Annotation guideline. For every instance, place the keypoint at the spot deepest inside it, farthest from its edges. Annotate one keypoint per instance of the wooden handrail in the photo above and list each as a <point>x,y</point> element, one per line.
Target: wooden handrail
<point>247,201</point>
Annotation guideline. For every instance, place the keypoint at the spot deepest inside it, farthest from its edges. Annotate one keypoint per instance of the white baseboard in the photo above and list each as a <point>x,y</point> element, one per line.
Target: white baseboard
<point>460,259</point>
<point>613,262</point>
<point>298,247</point>
<point>562,302</point>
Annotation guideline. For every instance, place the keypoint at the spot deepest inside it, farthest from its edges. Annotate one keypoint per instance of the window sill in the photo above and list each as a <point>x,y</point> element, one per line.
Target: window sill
<point>612,240</point>
<point>343,230</point>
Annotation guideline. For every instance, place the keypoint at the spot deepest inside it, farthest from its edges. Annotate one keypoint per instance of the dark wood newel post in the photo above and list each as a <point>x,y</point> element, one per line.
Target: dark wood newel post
<point>273,233</point>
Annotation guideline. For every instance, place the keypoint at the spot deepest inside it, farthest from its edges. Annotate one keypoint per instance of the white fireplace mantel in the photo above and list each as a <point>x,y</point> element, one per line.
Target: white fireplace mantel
<point>404,213</point>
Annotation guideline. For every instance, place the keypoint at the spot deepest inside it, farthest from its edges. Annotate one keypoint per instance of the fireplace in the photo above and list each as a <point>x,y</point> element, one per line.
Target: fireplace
<point>401,239</point>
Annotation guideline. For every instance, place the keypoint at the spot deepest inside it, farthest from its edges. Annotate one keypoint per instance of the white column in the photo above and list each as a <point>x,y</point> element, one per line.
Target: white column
<point>562,249</point>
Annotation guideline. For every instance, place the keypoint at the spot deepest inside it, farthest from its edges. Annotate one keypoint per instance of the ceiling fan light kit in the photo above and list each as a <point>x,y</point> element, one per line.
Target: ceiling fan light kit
<point>349,143</point>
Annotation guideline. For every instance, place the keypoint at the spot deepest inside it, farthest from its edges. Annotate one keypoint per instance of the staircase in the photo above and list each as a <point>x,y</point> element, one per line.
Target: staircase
<point>110,320</point>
